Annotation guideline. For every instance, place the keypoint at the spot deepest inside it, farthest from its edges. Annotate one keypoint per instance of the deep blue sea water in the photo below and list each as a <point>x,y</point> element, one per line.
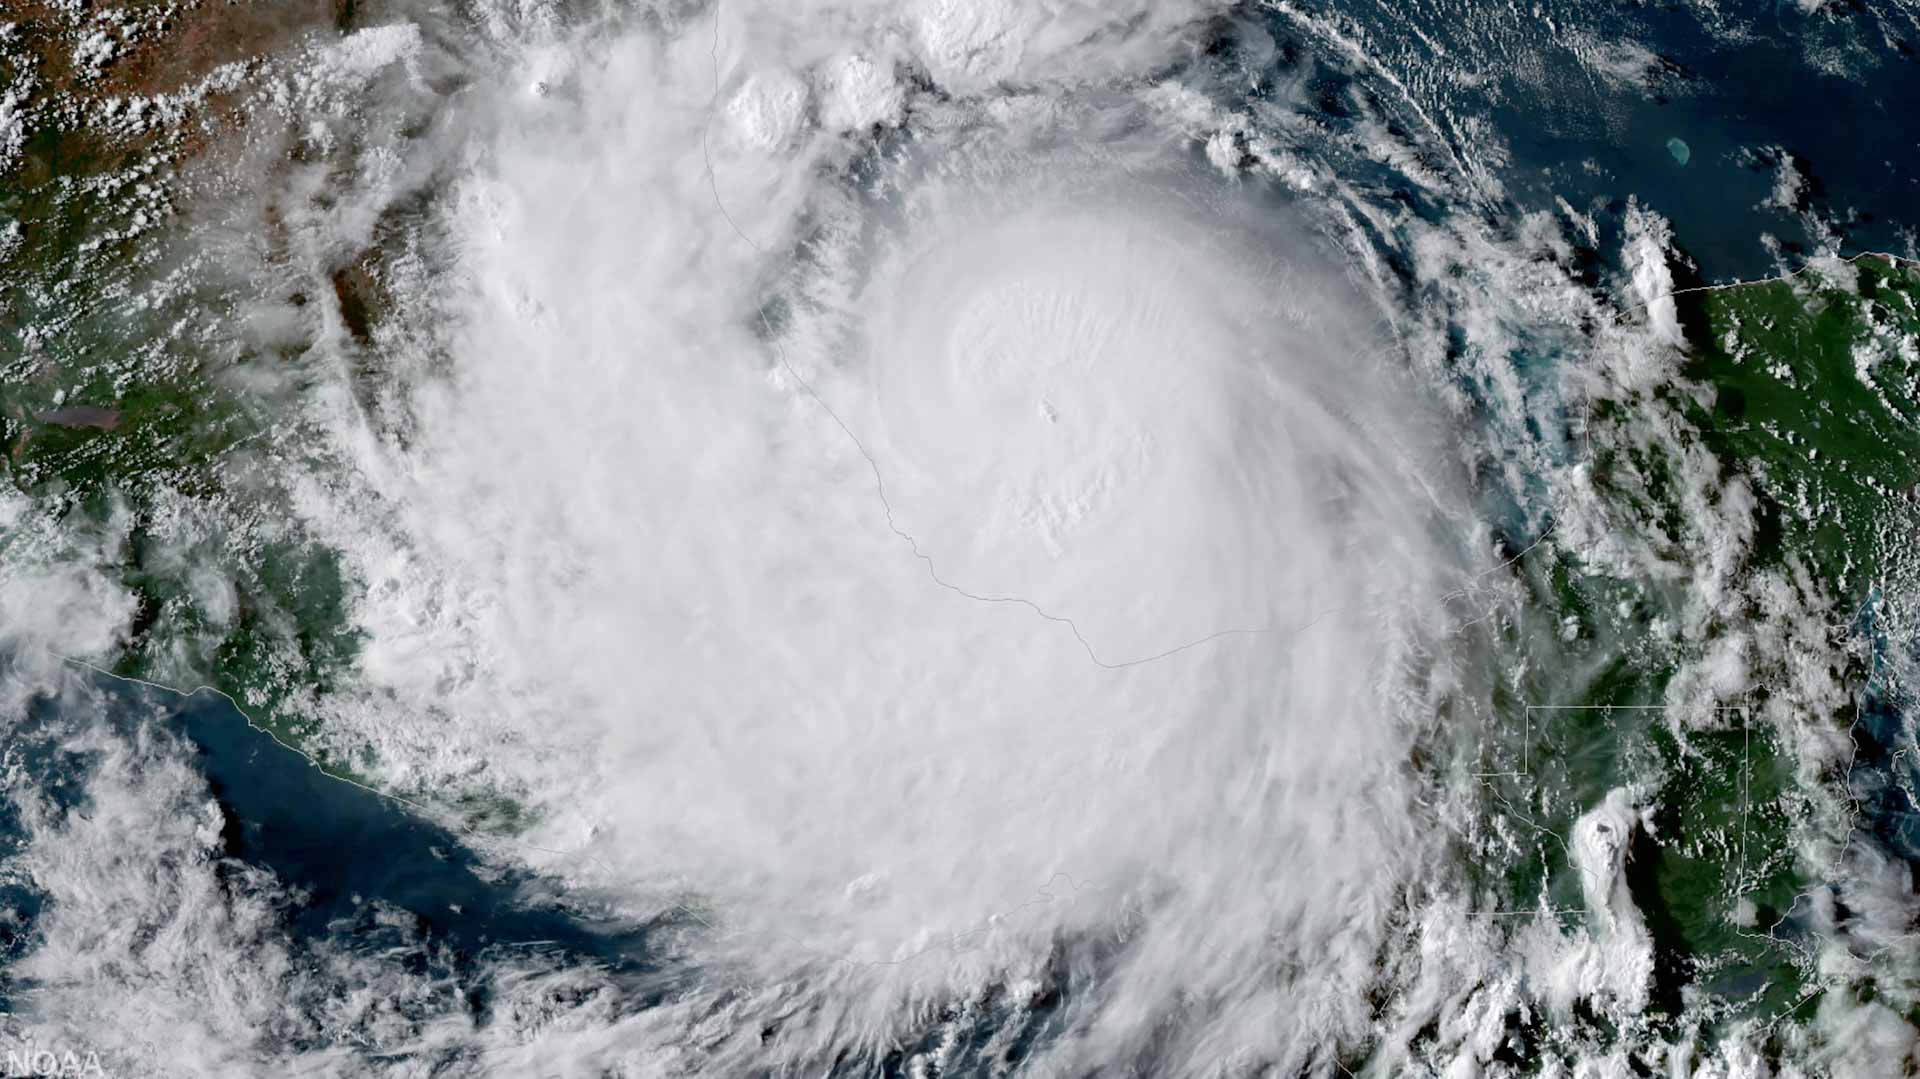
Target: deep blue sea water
<point>1594,143</point>
<point>350,852</point>
<point>1857,142</point>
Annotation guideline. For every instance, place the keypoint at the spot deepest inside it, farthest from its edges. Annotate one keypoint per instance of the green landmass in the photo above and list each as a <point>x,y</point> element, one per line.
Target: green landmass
<point>1812,391</point>
<point>1816,385</point>
<point>1810,388</point>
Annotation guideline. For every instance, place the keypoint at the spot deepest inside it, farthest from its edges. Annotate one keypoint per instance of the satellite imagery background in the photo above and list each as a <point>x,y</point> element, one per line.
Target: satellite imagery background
<point>959,537</point>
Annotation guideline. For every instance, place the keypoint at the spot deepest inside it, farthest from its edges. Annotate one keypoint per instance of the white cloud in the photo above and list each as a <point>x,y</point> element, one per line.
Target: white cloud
<point>632,569</point>
<point>58,598</point>
<point>628,562</point>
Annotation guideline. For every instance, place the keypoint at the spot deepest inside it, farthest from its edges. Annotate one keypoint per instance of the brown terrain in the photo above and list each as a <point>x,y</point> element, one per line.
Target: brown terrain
<point>158,48</point>
<point>165,52</point>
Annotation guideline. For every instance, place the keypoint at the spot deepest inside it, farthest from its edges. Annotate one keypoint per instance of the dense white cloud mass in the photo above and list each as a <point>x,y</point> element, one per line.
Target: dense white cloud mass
<point>57,599</point>
<point>1034,544</point>
<point>977,542</point>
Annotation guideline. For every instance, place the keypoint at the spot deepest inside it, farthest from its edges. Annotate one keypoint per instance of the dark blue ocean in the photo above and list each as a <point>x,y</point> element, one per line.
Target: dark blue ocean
<point>354,857</point>
<point>1838,90</point>
<point>1856,139</point>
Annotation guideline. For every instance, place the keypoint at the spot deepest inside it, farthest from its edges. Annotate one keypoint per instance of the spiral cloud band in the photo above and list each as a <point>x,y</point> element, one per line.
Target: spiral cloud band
<point>906,578</point>
<point>870,500</point>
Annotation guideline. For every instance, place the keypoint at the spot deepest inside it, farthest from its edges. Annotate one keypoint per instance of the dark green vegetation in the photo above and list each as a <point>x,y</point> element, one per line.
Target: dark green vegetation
<point>1712,871</point>
<point>1817,398</point>
<point>1714,875</point>
<point>1810,389</point>
<point>130,420</point>
<point>129,410</point>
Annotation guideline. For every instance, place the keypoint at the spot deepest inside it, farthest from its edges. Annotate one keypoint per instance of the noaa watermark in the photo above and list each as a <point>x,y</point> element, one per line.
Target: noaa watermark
<point>22,1063</point>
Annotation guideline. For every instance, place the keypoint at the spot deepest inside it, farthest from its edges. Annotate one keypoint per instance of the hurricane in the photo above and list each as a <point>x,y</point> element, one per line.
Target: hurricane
<point>1037,575</point>
<point>949,537</point>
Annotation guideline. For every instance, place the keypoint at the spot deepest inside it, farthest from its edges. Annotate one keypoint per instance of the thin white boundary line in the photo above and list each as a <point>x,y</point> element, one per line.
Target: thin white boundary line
<point>1526,749</point>
<point>1811,265</point>
<point>1042,894</point>
<point>873,464</point>
<point>1818,984</point>
<point>955,941</point>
